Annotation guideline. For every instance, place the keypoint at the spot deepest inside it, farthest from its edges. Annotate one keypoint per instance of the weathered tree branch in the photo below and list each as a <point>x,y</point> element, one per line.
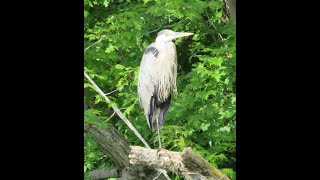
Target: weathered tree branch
<point>186,163</point>
<point>112,143</point>
<point>102,37</point>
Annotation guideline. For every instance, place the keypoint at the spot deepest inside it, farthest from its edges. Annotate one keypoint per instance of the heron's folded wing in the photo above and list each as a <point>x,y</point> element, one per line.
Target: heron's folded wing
<point>147,81</point>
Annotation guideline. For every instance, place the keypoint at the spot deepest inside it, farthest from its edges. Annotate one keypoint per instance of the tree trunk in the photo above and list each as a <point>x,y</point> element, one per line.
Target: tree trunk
<point>229,7</point>
<point>112,144</point>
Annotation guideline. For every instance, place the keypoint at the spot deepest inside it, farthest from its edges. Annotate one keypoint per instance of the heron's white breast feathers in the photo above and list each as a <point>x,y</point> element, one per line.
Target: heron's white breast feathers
<point>166,68</point>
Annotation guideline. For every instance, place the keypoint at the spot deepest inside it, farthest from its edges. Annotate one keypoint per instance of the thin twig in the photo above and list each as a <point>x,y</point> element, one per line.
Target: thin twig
<point>164,172</point>
<point>102,37</point>
<point>155,30</point>
<point>121,54</point>
<point>159,173</point>
<point>214,26</point>
<point>120,114</point>
<point>112,115</point>
<point>111,92</point>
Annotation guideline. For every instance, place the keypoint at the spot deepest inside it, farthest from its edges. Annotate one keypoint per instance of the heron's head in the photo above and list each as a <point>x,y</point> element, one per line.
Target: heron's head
<point>168,35</point>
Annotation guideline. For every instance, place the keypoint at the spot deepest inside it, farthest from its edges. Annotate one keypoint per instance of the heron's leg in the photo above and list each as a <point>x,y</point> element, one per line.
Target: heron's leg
<point>158,151</point>
<point>157,120</point>
<point>159,138</point>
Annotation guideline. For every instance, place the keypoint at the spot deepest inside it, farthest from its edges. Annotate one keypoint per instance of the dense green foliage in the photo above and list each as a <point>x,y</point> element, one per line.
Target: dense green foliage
<point>203,114</point>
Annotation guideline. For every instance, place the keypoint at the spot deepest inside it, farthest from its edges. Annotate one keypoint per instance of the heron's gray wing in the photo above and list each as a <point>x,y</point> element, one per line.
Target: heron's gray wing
<point>147,81</point>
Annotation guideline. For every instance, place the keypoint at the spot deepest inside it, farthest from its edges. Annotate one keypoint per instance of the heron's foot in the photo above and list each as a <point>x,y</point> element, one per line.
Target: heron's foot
<point>158,152</point>
<point>162,153</point>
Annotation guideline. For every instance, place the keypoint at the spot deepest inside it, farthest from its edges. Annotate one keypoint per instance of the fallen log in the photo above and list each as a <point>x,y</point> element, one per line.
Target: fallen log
<point>186,163</point>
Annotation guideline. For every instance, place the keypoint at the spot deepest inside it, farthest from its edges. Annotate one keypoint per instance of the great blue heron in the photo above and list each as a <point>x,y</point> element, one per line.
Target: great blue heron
<point>157,78</point>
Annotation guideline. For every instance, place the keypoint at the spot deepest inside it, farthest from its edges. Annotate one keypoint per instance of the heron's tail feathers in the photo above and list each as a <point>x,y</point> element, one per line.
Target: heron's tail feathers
<point>158,110</point>
<point>156,119</point>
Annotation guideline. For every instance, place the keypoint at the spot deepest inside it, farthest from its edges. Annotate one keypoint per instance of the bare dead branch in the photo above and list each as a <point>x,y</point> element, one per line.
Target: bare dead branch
<point>102,37</point>
<point>112,115</point>
<point>117,110</point>
<point>111,92</point>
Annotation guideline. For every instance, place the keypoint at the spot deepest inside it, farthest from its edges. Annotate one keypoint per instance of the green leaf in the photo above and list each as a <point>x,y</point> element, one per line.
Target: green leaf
<point>233,100</point>
<point>110,49</point>
<point>92,155</point>
<point>106,3</point>
<point>88,85</point>
<point>217,75</point>
<point>204,126</point>
<point>226,81</point>
<point>229,172</point>
<point>219,14</point>
<point>119,66</point>
<point>86,13</point>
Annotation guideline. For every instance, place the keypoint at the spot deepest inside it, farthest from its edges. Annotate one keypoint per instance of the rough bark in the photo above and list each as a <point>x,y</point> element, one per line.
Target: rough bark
<point>113,144</point>
<point>196,163</point>
<point>104,173</point>
<point>229,7</point>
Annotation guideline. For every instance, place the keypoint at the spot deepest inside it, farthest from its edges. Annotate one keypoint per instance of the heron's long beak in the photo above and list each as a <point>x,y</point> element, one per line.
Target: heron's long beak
<point>182,34</point>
